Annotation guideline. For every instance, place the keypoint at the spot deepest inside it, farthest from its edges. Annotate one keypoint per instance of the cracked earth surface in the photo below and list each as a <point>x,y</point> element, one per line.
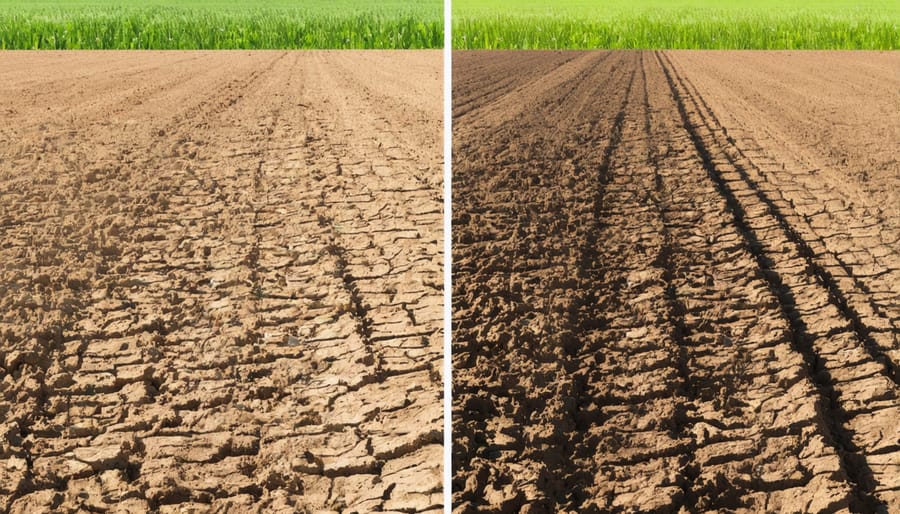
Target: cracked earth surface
<point>220,282</point>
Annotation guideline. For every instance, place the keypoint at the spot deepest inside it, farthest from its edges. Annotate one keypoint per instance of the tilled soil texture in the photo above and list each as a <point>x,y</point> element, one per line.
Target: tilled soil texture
<point>676,282</point>
<point>220,282</point>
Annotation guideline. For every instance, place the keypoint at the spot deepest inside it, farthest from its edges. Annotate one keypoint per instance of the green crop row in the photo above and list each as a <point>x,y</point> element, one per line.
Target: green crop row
<point>697,24</point>
<point>165,27</point>
<point>646,32</point>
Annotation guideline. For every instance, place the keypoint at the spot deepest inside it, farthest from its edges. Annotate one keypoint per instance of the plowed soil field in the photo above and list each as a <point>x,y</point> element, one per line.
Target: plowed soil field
<point>676,282</point>
<point>220,282</point>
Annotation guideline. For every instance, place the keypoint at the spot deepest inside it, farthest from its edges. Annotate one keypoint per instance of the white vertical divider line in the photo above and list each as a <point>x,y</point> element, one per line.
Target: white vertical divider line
<point>448,257</point>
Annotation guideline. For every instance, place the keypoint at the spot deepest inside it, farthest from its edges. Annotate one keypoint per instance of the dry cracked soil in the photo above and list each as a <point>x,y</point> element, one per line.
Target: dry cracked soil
<point>676,282</point>
<point>220,282</point>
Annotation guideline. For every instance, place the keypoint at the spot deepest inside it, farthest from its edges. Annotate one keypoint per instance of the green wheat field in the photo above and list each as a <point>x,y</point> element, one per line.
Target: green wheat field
<point>696,24</point>
<point>220,24</point>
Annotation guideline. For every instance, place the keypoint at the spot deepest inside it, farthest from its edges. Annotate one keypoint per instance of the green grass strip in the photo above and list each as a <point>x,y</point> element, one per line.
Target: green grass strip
<point>165,27</point>
<point>755,24</point>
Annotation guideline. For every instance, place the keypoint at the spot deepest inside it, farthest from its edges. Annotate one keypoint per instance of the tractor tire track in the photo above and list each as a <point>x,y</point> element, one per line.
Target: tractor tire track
<point>861,402</point>
<point>844,214</point>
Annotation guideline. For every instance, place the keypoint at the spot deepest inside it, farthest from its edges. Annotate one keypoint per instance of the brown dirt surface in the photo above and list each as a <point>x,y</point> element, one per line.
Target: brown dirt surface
<point>220,282</point>
<point>676,282</point>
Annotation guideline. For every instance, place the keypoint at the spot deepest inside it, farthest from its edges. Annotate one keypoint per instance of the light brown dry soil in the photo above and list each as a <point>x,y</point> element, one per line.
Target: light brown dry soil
<point>676,282</point>
<point>220,281</point>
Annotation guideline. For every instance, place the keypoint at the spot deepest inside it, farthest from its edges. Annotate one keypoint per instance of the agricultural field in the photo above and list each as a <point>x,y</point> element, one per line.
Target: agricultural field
<point>221,282</point>
<point>685,24</point>
<point>676,281</point>
<point>220,24</point>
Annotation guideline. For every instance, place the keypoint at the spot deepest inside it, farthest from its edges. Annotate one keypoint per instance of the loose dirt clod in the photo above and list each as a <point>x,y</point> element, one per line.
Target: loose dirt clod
<point>196,312</point>
<point>676,282</point>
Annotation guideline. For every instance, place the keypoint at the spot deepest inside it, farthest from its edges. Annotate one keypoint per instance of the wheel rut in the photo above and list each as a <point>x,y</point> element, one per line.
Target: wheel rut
<point>797,281</point>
